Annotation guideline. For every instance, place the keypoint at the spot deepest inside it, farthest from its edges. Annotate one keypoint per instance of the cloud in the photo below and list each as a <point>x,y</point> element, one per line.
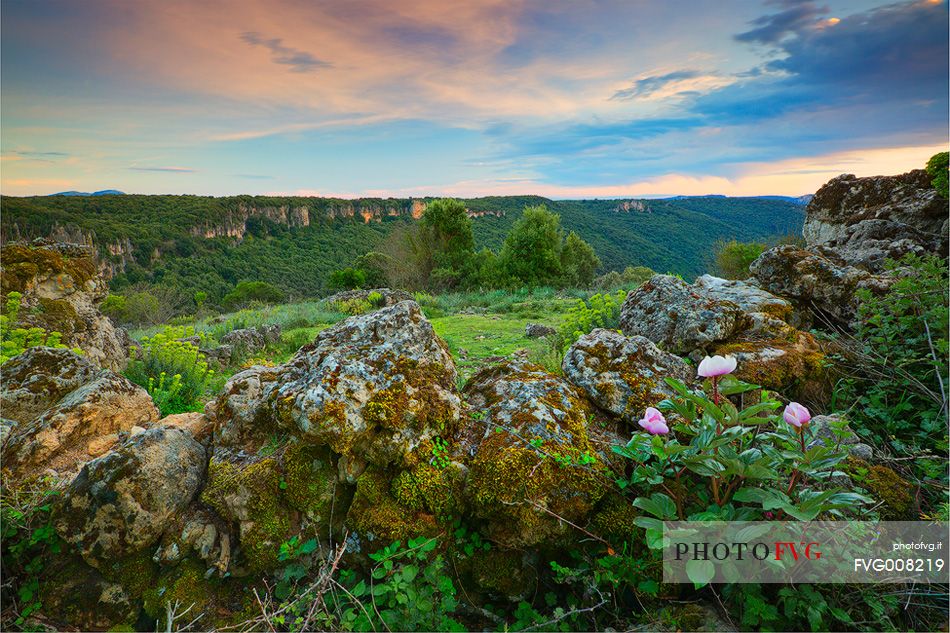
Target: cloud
<point>175,170</point>
<point>298,60</point>
<point>649,85</point>
<point>770,29</point>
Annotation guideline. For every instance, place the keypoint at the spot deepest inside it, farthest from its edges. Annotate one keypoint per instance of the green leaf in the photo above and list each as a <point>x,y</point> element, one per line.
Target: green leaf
<point>700,572</point>
<point>658,504</point>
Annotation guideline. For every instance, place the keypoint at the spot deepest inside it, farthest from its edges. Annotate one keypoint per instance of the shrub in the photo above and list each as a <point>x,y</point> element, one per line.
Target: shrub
<point>375,299</point>
<point>247,292</point>
<point>733,258</point>
<point>630,278</point>
<point>937,167</point>
<point>600,311</point>
<point>173,371</point>
<point>722,463</point>
<point>353,307</point>
<point>899,358</point>
<point>347,279</point>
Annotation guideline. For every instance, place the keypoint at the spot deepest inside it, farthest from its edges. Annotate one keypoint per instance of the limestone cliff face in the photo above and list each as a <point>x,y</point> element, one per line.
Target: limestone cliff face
<point>626,206</point>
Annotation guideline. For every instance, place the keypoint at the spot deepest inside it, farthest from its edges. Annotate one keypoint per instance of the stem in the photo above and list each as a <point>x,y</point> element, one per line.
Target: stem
<point>715,381</point>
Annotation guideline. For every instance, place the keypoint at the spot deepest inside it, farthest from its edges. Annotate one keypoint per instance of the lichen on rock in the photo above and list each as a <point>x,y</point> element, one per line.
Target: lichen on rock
<point>622,375</point>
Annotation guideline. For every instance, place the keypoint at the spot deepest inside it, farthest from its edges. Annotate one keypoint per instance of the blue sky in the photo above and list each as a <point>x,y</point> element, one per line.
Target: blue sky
<point>564,99</point>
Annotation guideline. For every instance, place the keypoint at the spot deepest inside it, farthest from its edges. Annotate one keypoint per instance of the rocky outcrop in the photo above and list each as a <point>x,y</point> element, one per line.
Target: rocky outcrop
<point>622,375</point>
<point>38,378</point>
<point>251,340</point>
<point>67,411</point>
<point>863,221</point>
<point>678,317</point>
<point>122,503</point>
<point>534,423</point>
<point>61,289</point>
<point>815,283</point>
<point>388,296</point>
<point>375,386</point>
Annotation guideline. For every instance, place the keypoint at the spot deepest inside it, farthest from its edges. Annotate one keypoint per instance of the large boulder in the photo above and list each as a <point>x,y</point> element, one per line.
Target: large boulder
<point>122,502</point>
<point>622,375</point>
<point>863,221</point>
<point>373,388</point>
<point>78,417</point>
<point>376,386</point>
<point>534,465</point>
<point>815,283</point>
<point>38,378</point>
<point>678,317</point>
<point>61,290</point>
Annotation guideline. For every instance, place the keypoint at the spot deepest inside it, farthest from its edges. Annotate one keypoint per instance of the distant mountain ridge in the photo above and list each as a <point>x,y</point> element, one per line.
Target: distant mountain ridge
<point>209,244</point>
<point>104,192</point>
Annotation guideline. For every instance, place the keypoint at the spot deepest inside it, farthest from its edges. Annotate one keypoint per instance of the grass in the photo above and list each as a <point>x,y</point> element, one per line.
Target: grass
<point>483,336</point>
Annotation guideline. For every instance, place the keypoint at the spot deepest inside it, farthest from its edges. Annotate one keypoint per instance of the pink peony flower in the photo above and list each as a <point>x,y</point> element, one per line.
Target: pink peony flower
<point>654,422</point>
<point>712,367</point>
<point>796,414</point>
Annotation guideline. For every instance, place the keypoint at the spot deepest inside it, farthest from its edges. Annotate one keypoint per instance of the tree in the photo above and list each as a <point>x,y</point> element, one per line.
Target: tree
<point>579,262</point>
<point>531,253</point>
<point>733,257</point>
<point>937,167</point>
<point>447,242</point>
<point>376,266</point>
<point>347,279</point>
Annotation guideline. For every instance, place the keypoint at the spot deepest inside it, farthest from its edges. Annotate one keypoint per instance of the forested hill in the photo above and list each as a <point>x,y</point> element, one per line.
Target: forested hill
<point>207,243</point>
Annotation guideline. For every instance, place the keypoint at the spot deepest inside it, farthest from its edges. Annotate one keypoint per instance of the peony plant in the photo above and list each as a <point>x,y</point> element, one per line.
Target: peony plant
<point>700,457</point>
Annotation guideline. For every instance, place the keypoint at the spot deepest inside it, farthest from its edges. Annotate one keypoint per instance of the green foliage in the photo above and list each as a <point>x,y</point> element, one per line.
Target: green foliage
<point>898,378</point>
<point>447,243</point>
<point>733,257</point>
<point>347,279</point>
<point>530,255</point>
<point>29,540</point>
<point>247,292</point>
<point>600,311</point>
<point>579,262</point>
<point>937,167</point>
<point>353,307</point>
<point>409,589</point>
<point>173,371</point>
<point>16,340</point>
<point>723,463</point>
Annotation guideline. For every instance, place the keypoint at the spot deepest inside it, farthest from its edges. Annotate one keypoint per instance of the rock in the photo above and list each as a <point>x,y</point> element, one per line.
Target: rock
<point>389,296</point>
<point>269,496</point>
<point>622,375</point>
<point>38,378</point>
<point>537,330</point>
<point>220,355</point>
<point>678,317</point>
<point>122,502</point>
<point>61,291</point>
<point>99,446</point>
<point>195,423</point>
<point>81,596</point>
<point>815,283</point>
<point>239,415</point>
<point>834,430</point>
<point>251,340</point>
<point>64,435</point>
<point>749,298</point>
<point>862,221</point>
<point>377,385</point>
<point>6,427</point>
<point>532,421</point>
<point>792,364</point>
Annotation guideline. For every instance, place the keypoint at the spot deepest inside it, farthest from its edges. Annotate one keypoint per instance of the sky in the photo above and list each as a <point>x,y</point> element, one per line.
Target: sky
<point>565,99</point>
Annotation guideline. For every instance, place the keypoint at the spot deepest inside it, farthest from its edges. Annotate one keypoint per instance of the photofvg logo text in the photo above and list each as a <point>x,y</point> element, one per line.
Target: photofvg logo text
<point>804,551</point>
<point>778,550</point>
